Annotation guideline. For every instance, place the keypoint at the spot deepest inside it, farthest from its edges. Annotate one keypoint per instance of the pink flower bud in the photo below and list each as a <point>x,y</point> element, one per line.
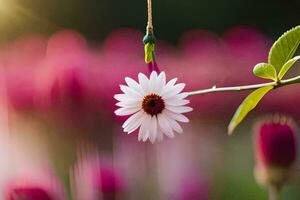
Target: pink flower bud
<point>276,149</point>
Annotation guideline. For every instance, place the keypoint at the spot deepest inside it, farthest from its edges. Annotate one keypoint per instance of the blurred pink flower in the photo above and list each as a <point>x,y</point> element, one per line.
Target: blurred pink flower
<point>34,186</point>
<point>68,92</point>
<point>21,90</point>
<point>121,55</point>
<point>244,47</point>
<point>29,193</point>
<point>95,180</point>
<point>57,77</point>
<point>20,60</point>
<point>26,52</point>
<point>67,74</point>
<point>191,186</point>
<point>181,171</point>
<point>30,60</point>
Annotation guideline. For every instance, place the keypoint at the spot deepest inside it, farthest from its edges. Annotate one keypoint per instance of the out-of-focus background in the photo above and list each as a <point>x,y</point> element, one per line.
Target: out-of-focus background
<point>95,19</point>
<point>61,62</point>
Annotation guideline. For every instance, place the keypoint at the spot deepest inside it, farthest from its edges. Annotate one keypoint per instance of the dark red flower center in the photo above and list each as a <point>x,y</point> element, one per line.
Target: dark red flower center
<point>153,104</point>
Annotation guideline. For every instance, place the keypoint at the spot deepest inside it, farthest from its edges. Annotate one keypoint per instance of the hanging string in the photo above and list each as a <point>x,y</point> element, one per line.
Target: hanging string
<point>150,22</point>
<point>149,41</point>
<point>149,37</point>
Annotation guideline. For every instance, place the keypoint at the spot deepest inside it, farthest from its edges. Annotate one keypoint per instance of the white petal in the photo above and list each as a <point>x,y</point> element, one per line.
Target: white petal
<point>126,111</point>
<point>175,102</point>
<point>123,97</point>
<point>153,131</point>
<point>174,90</point>
<point>147,122</point>
<point>141,130</point>
<point>177,116</point>
<point>153,76</point>
<point>129,103</point>
<point>175,126</point>
<point>161,82</point>
<point>134,85</point>
<point>160,135</point>
<point>169,85</point>
<point>146,136</point>
<point>133,126</point>
<point>133,118</point>
<point>162,77</point>
<point>178,87</point>
<point>153,81</point>
<point>179,109</point>
<point>144,132</point>
<point>164,125</point>
<point>144,82</point>
<point>177,96</point>
<point>171,82</point>
<point>130,92</point>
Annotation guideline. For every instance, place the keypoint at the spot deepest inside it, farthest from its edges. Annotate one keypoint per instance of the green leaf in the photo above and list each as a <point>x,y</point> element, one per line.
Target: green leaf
<point>265,70</point>
<point>149,49</point>
<point>287,66</point>
<point>246,106</point>
<point>284,48</point>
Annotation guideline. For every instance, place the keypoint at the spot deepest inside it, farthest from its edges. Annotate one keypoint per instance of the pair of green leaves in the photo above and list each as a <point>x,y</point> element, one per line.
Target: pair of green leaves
<point>280,56</point>
<point>280,61</point>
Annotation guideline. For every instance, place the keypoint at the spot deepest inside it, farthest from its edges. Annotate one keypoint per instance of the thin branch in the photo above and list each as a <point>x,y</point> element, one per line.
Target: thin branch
<point>246,87</point>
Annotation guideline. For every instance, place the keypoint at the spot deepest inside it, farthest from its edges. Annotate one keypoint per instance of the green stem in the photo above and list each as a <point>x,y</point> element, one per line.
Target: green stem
<point>274,192</point>
<point>247,87</point>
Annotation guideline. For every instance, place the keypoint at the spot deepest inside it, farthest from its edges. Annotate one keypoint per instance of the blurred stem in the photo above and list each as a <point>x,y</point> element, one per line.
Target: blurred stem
<point>274,192</point>
<point>247,87</point>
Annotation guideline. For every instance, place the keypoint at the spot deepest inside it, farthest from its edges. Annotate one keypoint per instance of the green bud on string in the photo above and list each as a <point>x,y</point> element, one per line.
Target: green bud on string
<point>149,52</point>
<point>149,47</point>
<point>149,38</point>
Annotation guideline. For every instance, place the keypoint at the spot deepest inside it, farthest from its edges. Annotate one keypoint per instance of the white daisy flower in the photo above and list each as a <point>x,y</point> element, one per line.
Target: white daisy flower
<point>155,106</point>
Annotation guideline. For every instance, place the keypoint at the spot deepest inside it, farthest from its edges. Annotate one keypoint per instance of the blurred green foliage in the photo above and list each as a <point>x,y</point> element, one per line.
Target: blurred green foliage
<point>233,178</point>
<point>96,18</point>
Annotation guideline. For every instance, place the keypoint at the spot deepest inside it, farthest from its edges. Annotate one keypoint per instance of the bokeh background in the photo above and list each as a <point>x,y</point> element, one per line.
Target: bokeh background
<point>95,19</point>
<point>61,61</point>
